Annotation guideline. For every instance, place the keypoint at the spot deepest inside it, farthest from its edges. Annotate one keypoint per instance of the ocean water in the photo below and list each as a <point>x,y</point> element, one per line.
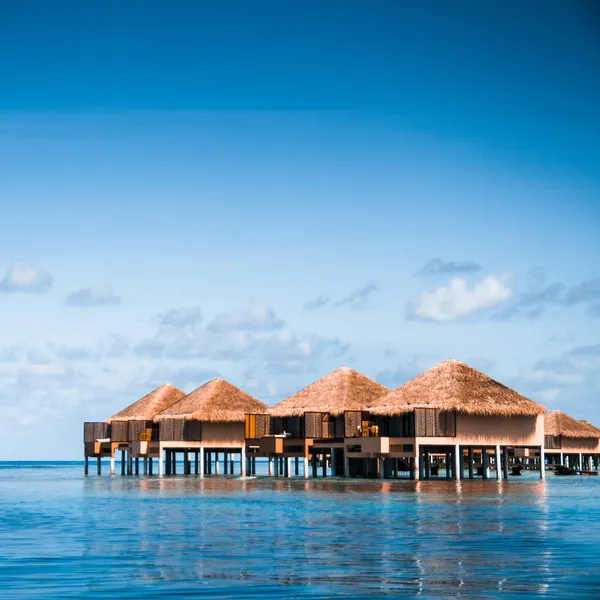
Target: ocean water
<point>64,535</point>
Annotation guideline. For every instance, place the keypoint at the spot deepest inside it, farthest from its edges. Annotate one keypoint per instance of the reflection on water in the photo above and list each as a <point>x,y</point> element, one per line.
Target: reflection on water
<point>63,535</point>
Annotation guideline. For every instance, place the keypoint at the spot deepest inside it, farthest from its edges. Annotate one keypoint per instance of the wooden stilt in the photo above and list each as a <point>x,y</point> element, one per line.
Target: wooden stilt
<point>498,464</point>
<point>415,472</point>
<point>448,464</point>
<point>427,465</point>
<point>470,461</point>
<point>174,461</point>
<point>243,462</point>
<point>150,461</point>
<point>161,471</point>
<point>458,463</point>
<point>122,462</point>
<point>381,467</point>
<point>395,461</point>
<point>217,463</point>
<point>542,463</point>
<point>314,464</point>
<point>99,466</point>
<point>112,463</point>
<point>324,463</point>
<point>196,463</point>
<point>485,461</point>
<point>85,465</point>
<point>145,465</point>
<point>505,461</point>
<point>137,466</point>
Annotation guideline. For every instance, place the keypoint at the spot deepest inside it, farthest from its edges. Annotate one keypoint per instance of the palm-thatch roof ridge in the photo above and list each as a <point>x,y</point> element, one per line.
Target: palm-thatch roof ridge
<point>559,423</point>
<point>453,385</point>
<point>341,390</point>
<point>146,408</point>
<point>218,401</point>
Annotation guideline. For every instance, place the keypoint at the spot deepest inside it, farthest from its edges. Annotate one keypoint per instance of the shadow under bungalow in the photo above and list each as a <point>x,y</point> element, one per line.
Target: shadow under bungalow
<point>450,421</point>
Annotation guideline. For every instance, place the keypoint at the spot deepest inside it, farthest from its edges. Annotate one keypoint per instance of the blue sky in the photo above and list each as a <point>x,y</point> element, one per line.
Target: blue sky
<point>267,193</point>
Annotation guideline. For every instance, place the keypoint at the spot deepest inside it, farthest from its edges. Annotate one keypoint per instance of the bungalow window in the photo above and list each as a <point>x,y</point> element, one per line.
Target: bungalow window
<point>552,442</point>
<point>319,425</point>
<point>257,426</point>
<point>433,422</point>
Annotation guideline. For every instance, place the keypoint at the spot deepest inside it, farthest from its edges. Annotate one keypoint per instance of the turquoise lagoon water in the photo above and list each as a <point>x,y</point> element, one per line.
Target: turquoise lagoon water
<point>64,535</point>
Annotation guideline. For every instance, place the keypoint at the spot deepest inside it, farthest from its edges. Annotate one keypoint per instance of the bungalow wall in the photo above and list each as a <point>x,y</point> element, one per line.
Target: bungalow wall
<point>578,445</point>
<point>472,430</point>
<point>223,435</point>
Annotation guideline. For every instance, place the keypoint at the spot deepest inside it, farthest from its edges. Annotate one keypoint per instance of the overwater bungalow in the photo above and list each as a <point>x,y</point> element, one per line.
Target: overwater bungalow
<point>451,410</point>
<point>571,443</point>
<point>126,429</point>
<point>205,424</point>
<point>133,431</point>
<point>311,423</point>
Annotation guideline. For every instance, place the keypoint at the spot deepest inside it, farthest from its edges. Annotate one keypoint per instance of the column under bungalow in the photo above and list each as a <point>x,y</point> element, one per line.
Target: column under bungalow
<point>85,465</point>
<point>470,461</point>
<point>542,463</point>
<point>485,463</point>
<point>505,461</point>
<point>498,464</point>
<point>458,463</point>
<point>416,464</point>
<point>305,467</point>
<point>99,466</point>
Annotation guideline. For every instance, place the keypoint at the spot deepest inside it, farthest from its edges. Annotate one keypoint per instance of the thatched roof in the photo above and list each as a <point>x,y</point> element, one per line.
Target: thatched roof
<point>594,428</point>
<point>146,408</point>
<point>452,385</point>
<point>343,389</point>
<point>559,423</point>
<point>217,400</point>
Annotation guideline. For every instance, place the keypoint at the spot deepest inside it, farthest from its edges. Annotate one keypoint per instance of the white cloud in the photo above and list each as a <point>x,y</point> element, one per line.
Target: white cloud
<point>89,297</point>
<point>458,300</point>
<point>25,278</point>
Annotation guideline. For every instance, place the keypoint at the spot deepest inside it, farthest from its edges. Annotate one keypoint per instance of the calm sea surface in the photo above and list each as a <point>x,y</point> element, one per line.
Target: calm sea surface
<point>64,535</point>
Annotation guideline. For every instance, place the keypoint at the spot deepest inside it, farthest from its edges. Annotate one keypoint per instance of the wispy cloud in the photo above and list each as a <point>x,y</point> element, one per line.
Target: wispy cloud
<point>10,354</point>
<point>359,298</point>
<point>540,295</point>
<point>318,302</point>
<point>586,291</point>
<point>293,352</point>
<point>593,350</point>
<point>437,266</point>
<point>181,317</point>
<point>457,300</point>
<point>95,296</point>
<point>75,353</point>
<point>25,278</point>
<point>258,317</point>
